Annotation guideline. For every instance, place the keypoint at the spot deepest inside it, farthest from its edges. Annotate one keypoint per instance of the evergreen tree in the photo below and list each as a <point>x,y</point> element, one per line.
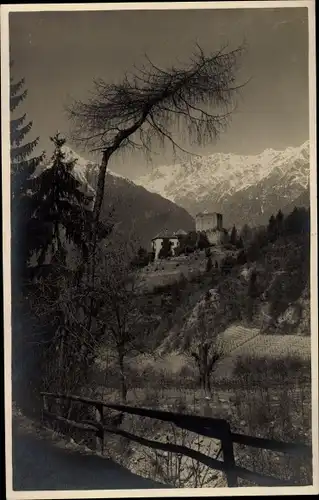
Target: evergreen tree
<point>240,243</point>
<point>252,295</point>
<point>297,222</point>
<point>233,236</point>
<point>142,259</point>
<point>280,222</point>
<point>272,229</point>
<point>246,234</point>
<point>61,212</point>
<point>203,242</point>
<point>23,166</point>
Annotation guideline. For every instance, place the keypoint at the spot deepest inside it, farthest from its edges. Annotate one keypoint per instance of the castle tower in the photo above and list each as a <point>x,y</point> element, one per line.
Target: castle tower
<point>206,221</point>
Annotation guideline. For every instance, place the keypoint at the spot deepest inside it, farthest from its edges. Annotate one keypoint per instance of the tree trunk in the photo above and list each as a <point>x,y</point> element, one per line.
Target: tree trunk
<point>122,378</point>
<point>100,186</point>
<point>93,237</point>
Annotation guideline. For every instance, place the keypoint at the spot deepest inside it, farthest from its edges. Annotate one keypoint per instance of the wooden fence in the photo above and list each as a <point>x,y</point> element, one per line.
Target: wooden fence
<point>210,427</point>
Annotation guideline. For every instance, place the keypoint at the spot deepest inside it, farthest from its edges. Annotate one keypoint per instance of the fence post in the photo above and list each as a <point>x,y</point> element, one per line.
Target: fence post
<point>100,433</point>
<point>228,454</point>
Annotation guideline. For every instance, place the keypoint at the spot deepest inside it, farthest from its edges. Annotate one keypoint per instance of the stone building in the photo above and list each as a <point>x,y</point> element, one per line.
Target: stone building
<point>212,224</point>
<point>206,220</point>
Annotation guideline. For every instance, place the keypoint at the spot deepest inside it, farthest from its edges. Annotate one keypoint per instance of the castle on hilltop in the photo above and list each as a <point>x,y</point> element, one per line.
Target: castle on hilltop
<point>212,224</point>
<point>209,223</point>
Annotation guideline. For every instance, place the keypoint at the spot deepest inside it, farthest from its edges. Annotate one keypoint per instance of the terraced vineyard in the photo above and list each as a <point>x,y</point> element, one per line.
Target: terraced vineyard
<point>277,346</point>
<point>242,341</point>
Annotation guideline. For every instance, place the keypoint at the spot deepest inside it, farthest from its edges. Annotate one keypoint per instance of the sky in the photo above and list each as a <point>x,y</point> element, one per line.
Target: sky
<point>60,53</point>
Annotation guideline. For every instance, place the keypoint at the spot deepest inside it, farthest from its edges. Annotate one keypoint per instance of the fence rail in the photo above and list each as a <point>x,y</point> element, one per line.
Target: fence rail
<point>210,427</point>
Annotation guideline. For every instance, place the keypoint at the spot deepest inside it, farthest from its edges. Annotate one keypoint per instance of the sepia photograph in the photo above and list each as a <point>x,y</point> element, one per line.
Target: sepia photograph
<point>160,249</point>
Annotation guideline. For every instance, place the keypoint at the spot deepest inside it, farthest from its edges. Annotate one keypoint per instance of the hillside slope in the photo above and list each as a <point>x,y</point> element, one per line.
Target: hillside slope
<point>132,208</point>
<point>141,212</point>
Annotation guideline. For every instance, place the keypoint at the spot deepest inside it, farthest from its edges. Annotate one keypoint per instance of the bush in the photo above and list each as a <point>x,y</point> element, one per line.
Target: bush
<point>241,258</point>
<point>282,414</point>
<point>264,370</point>
<point>209,264</point>
<point>228,246</point>
<point>227,264</point>
<point>166,250</point>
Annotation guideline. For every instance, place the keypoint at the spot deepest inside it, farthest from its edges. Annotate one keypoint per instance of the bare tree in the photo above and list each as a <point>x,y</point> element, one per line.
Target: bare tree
<point>200,97</point>
<point>126,328</point>
<point>206,347</point>
<point>59,302</point>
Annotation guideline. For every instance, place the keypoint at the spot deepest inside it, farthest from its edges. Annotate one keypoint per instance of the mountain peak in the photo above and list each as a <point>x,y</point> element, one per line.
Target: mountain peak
<point>217,181</point>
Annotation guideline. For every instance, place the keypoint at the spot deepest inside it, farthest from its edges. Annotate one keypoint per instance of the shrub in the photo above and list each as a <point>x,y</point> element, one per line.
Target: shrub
<point>274,370</point>
<point>241,258</point>
<point>282,414</point>
<point>166,250</point>
<point>209,264</point>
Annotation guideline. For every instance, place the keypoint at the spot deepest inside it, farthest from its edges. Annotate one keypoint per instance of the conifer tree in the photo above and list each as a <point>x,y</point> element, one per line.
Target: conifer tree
<point>23,166</point>
<point>272,228</point>
<point>240,243</point>
<point>61,211</point>
<point>279,222</point>
<point>233,236</point>
<point>246,234</point>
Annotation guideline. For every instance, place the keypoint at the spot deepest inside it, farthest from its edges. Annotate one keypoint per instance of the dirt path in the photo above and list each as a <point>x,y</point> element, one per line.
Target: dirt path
<point>38,464</point>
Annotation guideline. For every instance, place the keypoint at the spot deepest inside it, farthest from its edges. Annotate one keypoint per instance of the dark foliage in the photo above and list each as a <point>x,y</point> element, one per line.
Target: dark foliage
<point>60,211</point>
<point>166,250</point>
<point>23,167</point>
<point>209,264</point>
<point>233,236</point>
<point>143,258</point>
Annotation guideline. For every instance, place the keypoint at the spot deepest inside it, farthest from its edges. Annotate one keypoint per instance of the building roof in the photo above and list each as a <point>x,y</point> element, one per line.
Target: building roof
<point>205,212</point>
<point>180,232</point>
<point>169,234</point>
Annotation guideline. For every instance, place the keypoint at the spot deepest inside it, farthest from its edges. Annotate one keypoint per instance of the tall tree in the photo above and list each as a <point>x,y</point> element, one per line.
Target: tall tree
<point>298,221</point>
<point>272,228</point>
<point>280,222</point>
<point>121,316</point>
<point>233,236</point>
<point>206,347</point>
<point>61,212</point>
<point>252,294</point>
<point>246,234</point>
<point>23,166</point>
<point>142,108</point>
<point>240,243</point>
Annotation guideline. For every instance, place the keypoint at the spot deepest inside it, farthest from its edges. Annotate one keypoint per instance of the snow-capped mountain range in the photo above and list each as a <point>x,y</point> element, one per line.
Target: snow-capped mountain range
<point>243,188</point>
